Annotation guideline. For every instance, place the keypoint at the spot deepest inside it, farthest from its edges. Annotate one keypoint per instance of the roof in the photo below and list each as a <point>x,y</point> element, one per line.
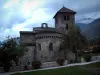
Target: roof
<point>65,10</point>
<point>45,30</point>
<point>38,30</point>
<point>27,32</point>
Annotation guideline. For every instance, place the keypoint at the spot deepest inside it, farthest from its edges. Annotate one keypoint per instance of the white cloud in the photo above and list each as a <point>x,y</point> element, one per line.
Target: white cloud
<point>39,16</point>
<point>7,32</point>
<point>16,10</point>
<point>12,32</point>
<point>18,15</point>
<point>10,3</point>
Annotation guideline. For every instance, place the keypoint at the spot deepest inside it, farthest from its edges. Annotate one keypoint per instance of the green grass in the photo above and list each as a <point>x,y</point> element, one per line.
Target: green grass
<point>96,65</point>
<point>76,70</point>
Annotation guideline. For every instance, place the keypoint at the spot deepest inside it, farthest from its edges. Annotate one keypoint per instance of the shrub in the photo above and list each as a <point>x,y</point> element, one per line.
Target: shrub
<point>25,67</point>
<point>7,66</point>
<point>60,61</point>
<point>36,64</point>
<point>87,57</point>
<point>96,49</point>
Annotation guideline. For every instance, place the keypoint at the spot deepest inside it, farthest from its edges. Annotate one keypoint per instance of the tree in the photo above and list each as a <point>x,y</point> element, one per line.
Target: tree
<point>10,50</point>
<point>74,41</point>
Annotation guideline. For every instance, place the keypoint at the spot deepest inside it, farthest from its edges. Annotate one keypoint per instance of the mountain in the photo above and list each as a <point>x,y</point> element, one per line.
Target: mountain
<point>83,23</point>
<point>81,26</point>
<point>90,30</point>
<point>85,20</point>
<point>93,29</point>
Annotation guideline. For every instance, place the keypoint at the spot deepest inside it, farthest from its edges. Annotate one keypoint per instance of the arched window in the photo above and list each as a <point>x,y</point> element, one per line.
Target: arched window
<point>39,46</point>
<point>64,17</point>
<point>50,46</point>
<point>44,25</point>
<point>67,26</point>
<point>68,18</point>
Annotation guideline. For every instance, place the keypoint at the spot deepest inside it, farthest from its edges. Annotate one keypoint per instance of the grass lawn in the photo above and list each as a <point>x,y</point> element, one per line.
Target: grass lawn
<point>91,69</point>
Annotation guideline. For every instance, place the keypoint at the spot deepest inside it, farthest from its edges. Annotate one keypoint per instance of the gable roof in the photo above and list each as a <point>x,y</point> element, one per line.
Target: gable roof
<point>65,10</point>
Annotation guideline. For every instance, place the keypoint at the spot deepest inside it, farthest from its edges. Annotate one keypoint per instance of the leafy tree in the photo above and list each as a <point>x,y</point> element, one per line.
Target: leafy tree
<point>73,41</point>
<point>10,50</point>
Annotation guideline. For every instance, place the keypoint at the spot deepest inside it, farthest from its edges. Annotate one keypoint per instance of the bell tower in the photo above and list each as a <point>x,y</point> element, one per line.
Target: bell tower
<point>63,18</point>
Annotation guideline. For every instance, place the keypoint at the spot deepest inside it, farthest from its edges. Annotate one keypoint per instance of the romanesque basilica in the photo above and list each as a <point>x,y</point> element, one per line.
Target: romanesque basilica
<point>43,42</point>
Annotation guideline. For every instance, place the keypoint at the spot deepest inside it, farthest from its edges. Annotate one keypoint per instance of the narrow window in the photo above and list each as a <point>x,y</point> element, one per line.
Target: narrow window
<point>50,47</point>
<point>67,26</point>
<point>56,20</point>
<point>39,46</point>
<point>64,17</point>
<point>68,18</point>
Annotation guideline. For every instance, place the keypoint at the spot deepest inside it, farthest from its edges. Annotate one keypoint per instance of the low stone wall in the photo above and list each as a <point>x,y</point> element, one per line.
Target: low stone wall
<point>51,64</point>
<point>69,65</point>
<point>95,58</point>
<point>45,65</point>
<point>16,68</point>
<point>1,69</point>
<point>82,60</point>
<point>29,67</point>
<point>20,68</point>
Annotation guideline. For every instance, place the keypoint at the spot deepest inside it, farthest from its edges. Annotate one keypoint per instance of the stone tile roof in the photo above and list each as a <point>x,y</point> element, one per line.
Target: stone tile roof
<point>27,32</point>
<point>37,30</point>
<point>45,30</point>
<point>65,10</point>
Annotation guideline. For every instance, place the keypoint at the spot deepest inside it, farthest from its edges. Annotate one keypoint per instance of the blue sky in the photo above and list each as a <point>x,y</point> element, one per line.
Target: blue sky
<point>20,15</point>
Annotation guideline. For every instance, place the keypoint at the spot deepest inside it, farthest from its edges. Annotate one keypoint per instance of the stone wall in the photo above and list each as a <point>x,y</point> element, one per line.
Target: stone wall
<point>1,69</point>
<point>95,58</point>
<point>46,64</point>
<point>61,23</point>
<point>52,64</point>
<point>49,64</point>
<point>20,68</point>
<point>45,54</point>
<point>27,38</point>
<point>70,56</point>
<point>29,67</point>
<point>28,56</point>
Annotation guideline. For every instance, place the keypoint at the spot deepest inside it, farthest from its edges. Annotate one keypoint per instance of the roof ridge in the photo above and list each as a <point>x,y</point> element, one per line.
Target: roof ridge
<point>65,10</point>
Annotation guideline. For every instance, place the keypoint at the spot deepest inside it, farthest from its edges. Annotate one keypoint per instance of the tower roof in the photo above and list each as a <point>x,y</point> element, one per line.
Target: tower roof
<point>65,10</point>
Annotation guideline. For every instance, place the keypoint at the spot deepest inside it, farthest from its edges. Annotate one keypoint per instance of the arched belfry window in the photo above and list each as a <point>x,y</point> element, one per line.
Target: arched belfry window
<point>50,46</point>
<point>39,46</point>
<point>68,18</point>
<point>44,25</point>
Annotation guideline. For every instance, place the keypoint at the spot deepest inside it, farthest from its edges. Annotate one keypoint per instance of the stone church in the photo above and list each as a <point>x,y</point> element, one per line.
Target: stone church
<point>43,42</point>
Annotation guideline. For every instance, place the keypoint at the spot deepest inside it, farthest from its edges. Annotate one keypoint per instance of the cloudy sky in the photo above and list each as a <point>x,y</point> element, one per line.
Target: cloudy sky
<point>19,15</point>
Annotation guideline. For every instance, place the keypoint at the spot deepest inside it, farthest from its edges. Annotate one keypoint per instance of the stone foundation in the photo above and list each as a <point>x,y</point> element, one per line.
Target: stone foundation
<point>29,67</point>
